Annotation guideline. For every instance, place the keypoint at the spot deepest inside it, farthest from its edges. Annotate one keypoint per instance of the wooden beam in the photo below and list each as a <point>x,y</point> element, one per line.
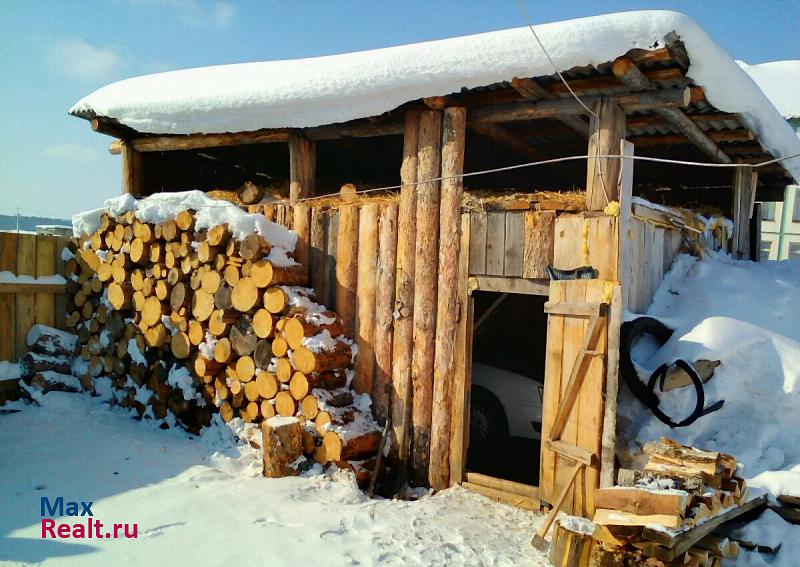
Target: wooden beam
<point>602,174</point>
<point>115,148</point>
<point>627,72</point>
<point>531,90</point>
<point>132,175</point>
<point>302,167</point>
<point>557,108</point>
<point>673,74</point>
<point>503,284</point>
<point>24,287</point>
<point>112,128</point>
<point>499,495</point>
<point>680,139</point>
<point>502,136</point>
<point>355,129</point>
<point>652,120</point>
<point>505,485</point>
<point>745,181</point>
<point>200,141</point>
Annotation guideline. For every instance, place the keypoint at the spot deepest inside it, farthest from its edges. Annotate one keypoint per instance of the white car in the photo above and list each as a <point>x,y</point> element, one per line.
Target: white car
<point>503,403</point>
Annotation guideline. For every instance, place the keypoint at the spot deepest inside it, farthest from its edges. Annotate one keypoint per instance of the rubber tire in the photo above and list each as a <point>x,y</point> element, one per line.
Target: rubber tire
<point>631,332</point>
<point>488,423</point>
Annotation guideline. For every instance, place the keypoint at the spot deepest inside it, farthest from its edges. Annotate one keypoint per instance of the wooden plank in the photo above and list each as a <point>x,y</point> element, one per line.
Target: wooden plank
<point>46,253</point>
<point>502,284</point>
<point>623,238</point>
<point>552,391</point>
<point>365,297</point>
<point>199,141</point>
<point>60,299</point>
<point>447,309</point>
<point>744,191</point>
<point>503,484</point>
<point>514,243</point>
<point>384,309</point>
<point>495,242</point>
<point>607,127</point>
<point>582,309</point>
<point>573,452</point>
<point>590,405</point>
<point>477,239</point>
<point>402,348</point>
<point>641,501</point>
<point>678,544</point>
<point>609,436</point>
<point>26,302</point>
<point>524,502</point>
<point>8,302</point>
<point>603,248</point>
<point>48,290</point>
<point>538,242</point>
<point>463,358</point>
<point>425,287</point>
<point>570,247</point>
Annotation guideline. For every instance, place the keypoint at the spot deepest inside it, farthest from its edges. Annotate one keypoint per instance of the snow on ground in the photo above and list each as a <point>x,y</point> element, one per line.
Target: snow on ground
<point>202,501</point>
<point>746,315</point>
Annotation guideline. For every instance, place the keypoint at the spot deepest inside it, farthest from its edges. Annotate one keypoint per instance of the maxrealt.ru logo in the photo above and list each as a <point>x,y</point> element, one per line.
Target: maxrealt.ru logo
<point>91,528</point>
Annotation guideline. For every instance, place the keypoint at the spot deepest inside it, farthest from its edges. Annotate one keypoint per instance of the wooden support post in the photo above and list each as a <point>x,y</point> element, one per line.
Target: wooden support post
<point>384,310</point>
<point>425,287</point>
<point>347,262</point>
<point>365,297</point>
<point>301,224</point>
<point>302,167</point>
<point>132,174</point>
<point>402,347</point>
<point>602,174</point>
<point>453,132</point>
<point>462,379</point>
<point>745,181</point>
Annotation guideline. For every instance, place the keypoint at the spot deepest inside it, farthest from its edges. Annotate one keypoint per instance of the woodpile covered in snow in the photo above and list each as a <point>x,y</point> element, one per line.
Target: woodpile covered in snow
<point>195,312</point>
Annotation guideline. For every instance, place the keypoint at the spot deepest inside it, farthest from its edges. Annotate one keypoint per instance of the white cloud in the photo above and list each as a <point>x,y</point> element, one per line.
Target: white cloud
<point>82,60</point>
<point>72,152</point>
<point>197,13</point>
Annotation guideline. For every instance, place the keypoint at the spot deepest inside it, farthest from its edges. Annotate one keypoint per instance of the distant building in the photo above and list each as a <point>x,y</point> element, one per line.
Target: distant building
<point>780,221</point>
<point>54,229</point>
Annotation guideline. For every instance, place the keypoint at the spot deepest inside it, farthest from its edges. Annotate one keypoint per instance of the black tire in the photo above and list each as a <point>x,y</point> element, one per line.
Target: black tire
<point>487,422</point>
<point>631,332</point>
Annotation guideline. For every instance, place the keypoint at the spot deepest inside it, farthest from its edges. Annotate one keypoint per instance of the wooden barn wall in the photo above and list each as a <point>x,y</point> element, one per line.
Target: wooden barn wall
<point>28,255</point>
<point>651,250</point>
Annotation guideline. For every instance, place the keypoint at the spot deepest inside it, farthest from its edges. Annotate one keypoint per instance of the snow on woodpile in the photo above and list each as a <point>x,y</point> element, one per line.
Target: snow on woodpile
<point>326,90</point>
<point>780,81</point>
<point>209,213</point>
<point>745,315</point>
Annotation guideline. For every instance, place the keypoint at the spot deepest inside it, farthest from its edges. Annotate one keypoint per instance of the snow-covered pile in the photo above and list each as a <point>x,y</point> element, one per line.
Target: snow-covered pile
<point>326,90</point>
<point>209,213</point>
<point>203,501</point>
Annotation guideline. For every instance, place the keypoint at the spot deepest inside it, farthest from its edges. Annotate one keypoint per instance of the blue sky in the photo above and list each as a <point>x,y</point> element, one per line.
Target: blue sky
<point>54,52</point>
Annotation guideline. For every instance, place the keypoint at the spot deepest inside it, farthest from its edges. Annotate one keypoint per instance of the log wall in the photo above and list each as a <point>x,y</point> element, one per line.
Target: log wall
<point>24,305</point>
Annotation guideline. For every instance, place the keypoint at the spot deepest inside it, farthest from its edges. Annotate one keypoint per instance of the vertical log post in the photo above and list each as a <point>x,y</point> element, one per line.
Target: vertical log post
<point>302,167</point>
<point>301,224</point>
<point>347,260</point>
<point>384,309</point>
<point>745,181</point>
<point>132,174</point>
<point>607,131</point>
<point>425,287</point>
<point>453,134</point>
<point>365,297</point>
<point>402,347</point>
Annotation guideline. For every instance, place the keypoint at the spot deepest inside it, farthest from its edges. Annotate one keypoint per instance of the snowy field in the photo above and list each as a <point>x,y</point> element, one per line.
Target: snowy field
<point>202,501</point>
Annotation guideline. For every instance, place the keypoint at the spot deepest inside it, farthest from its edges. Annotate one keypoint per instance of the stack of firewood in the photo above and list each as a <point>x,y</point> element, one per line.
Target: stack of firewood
<point>185,320</point>
<point>672,512</point>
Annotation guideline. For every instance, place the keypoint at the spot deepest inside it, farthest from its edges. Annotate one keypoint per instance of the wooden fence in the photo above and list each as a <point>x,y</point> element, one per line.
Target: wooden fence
<point>23,303</point>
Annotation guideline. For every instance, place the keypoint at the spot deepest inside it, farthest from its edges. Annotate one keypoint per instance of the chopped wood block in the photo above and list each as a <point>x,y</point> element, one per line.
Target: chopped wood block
<point>642,501</point>
<point>674,452</point>
<point>283,446</point>
<point>603,517</point>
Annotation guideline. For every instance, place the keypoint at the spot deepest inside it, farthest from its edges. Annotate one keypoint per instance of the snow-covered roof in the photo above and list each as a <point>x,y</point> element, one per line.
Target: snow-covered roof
<point>780,81</point>
<point>326,90</point>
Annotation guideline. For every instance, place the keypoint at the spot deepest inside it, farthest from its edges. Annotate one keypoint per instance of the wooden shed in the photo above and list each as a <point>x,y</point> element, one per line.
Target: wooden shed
<point>430,135</point>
